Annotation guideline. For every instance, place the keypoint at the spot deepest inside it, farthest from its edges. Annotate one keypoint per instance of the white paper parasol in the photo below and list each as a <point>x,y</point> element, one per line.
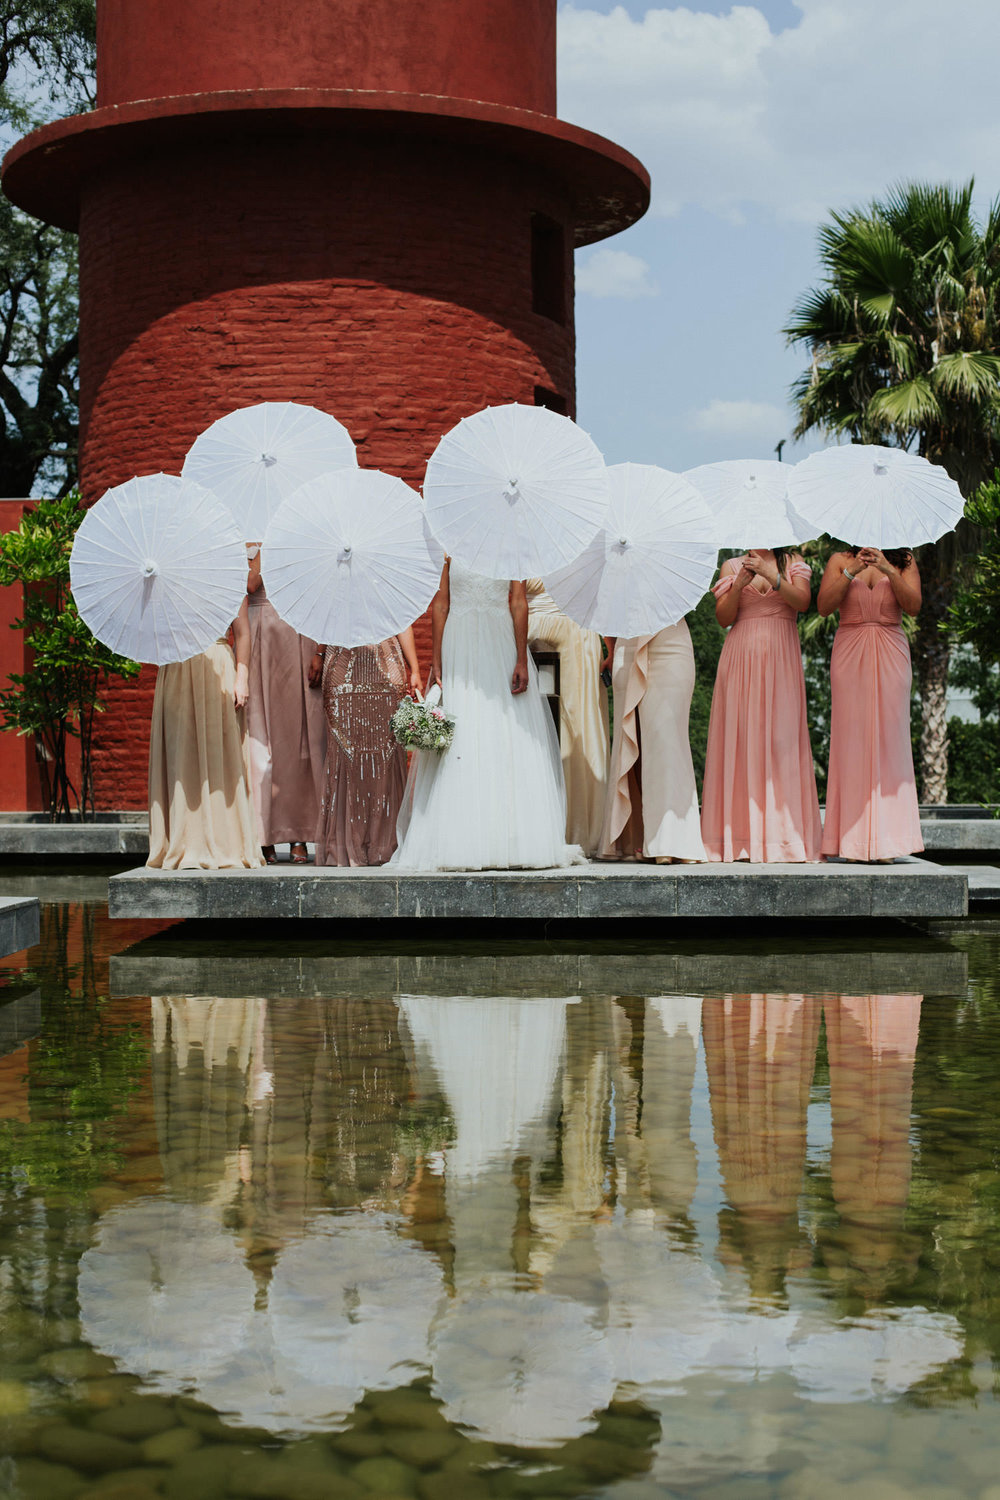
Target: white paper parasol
<point>525,1368</point>
<point>159,1275</point>
<point>351,1306</point>
<point>749,502</point>
<point>348,559</point>
<point>158,569</point>
<point>165,1291</point>
<point>254,457</point>
<point>875,497</point>
<point>515,491</point>
<point>650,563</point>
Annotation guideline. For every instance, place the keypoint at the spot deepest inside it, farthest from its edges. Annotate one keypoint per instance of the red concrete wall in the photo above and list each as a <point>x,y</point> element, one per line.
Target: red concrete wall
<point>20,788</point>
<point>499,51</point>
<point>388,284</point>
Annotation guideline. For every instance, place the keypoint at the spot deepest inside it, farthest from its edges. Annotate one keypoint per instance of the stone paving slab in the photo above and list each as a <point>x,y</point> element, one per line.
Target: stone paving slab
<point>94,840</point>
<point>24,834</point>
<point>984,884</point>
<point>915,889</point>
<point>19,923</point>
<point>159,966</point>
<point>961,835</point>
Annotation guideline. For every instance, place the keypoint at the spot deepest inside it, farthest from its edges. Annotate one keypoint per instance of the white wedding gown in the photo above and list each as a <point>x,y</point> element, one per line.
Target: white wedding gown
<point>495,799</point>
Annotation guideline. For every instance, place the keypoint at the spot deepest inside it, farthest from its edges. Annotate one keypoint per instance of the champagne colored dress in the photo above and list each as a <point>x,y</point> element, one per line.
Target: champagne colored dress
<point>871,792</point>
<point>759,800</point>
<point>365,770</point>
<point>652,801</point>
<point>285,727</point>
<point>201,814</point>
<point>584,728</point>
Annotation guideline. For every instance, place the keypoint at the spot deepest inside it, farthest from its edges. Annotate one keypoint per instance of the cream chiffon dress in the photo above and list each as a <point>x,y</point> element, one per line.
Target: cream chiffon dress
<point>652,802</point>
<point>494,800</point>
<point>584,726</point>
<point>201,814</point>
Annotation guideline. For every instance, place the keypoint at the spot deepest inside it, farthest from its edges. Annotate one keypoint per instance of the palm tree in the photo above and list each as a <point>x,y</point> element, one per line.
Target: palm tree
<point>904,333</point>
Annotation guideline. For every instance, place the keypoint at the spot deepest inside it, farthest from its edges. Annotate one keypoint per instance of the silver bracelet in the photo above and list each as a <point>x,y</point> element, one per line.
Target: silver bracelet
<point>851,576</point>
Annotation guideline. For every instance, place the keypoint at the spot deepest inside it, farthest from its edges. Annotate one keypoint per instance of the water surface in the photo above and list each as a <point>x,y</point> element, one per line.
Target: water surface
<point>703,1218</point>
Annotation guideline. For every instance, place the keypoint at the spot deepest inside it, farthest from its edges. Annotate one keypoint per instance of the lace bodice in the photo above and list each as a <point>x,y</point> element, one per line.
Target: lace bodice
<point>470,592</point>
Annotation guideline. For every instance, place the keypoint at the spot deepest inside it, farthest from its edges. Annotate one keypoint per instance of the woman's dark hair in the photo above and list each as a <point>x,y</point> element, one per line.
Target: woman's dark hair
<point>900,557</point>
<point>781,558</point>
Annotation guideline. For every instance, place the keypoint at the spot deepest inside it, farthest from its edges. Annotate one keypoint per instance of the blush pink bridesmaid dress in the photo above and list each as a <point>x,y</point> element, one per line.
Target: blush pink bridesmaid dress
<point>759,799</point>
<point>871,797</point>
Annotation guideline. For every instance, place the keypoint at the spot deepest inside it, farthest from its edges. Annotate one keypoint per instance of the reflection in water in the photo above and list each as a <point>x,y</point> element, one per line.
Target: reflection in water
<point>527,1241</point>
<point>871,1044</point>
<point>563,1174</point>
<point>760,1052</point>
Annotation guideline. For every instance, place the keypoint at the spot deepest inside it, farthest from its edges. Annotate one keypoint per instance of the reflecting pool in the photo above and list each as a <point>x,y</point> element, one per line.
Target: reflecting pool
<point>715,1218</point>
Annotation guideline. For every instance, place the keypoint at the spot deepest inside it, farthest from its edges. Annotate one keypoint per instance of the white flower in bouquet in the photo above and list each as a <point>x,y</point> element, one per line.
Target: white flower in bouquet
<point>423,726</point>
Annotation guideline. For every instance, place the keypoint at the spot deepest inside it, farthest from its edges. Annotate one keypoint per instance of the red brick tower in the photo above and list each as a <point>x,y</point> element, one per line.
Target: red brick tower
<point>370,207</point>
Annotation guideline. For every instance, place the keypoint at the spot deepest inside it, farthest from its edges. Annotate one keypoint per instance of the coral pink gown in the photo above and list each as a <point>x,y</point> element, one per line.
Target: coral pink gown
<point>871,797</point>
<point>759,800</point>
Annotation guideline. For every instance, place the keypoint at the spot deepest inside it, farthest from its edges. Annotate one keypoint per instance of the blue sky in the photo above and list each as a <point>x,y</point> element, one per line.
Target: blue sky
<point>754,120</point>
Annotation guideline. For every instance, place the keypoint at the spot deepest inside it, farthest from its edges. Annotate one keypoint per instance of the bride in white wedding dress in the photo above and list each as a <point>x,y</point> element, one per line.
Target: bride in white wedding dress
<point>495,799</point>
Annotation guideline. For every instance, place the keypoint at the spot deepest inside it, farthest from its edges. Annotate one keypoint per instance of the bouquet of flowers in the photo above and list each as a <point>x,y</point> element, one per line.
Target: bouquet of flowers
<point>423,725</point>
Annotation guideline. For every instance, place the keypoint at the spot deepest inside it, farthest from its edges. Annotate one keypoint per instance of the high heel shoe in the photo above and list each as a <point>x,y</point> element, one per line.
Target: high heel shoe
<point>298,854</point>
<point>270,858</point>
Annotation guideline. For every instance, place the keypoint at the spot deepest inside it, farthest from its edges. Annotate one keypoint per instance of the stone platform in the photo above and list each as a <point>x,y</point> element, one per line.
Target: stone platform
<point>179,962</point>
<point>954,831</point>
<point>110,836</point>
<point>910,890</point>
<point>19,923</point>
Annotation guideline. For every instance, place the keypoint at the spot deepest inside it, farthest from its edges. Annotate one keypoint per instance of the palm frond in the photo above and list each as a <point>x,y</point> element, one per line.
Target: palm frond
<point>910,404</point>
<point>968,373</point>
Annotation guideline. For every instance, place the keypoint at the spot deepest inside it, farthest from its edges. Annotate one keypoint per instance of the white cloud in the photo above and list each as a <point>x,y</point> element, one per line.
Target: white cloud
<point>729,115</point>
<point>614,273</point>
<point>741,419</point>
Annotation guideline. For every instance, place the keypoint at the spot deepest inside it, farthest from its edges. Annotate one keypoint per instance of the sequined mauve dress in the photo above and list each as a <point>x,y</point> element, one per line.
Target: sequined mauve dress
<point>871,792</point>
<point>759,800</point>
<point>365,767</point>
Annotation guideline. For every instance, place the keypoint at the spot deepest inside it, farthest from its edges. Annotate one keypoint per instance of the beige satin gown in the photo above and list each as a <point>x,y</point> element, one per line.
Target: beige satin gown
<point>652,802</point>
<point>584,726</point>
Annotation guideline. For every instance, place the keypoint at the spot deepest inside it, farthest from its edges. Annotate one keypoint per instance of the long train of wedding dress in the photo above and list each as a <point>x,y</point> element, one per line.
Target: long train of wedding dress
<point>495,799</point>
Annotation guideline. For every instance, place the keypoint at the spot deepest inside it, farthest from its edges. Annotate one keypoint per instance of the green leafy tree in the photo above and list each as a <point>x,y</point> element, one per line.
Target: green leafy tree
<point>975,610</point>
<point>904,333</point>
<point>707,637</point>
<point>975,620</point>
<point>47,49</point>
<point>57,697</point>
<point>39,343</point>
<point>47,54</point>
